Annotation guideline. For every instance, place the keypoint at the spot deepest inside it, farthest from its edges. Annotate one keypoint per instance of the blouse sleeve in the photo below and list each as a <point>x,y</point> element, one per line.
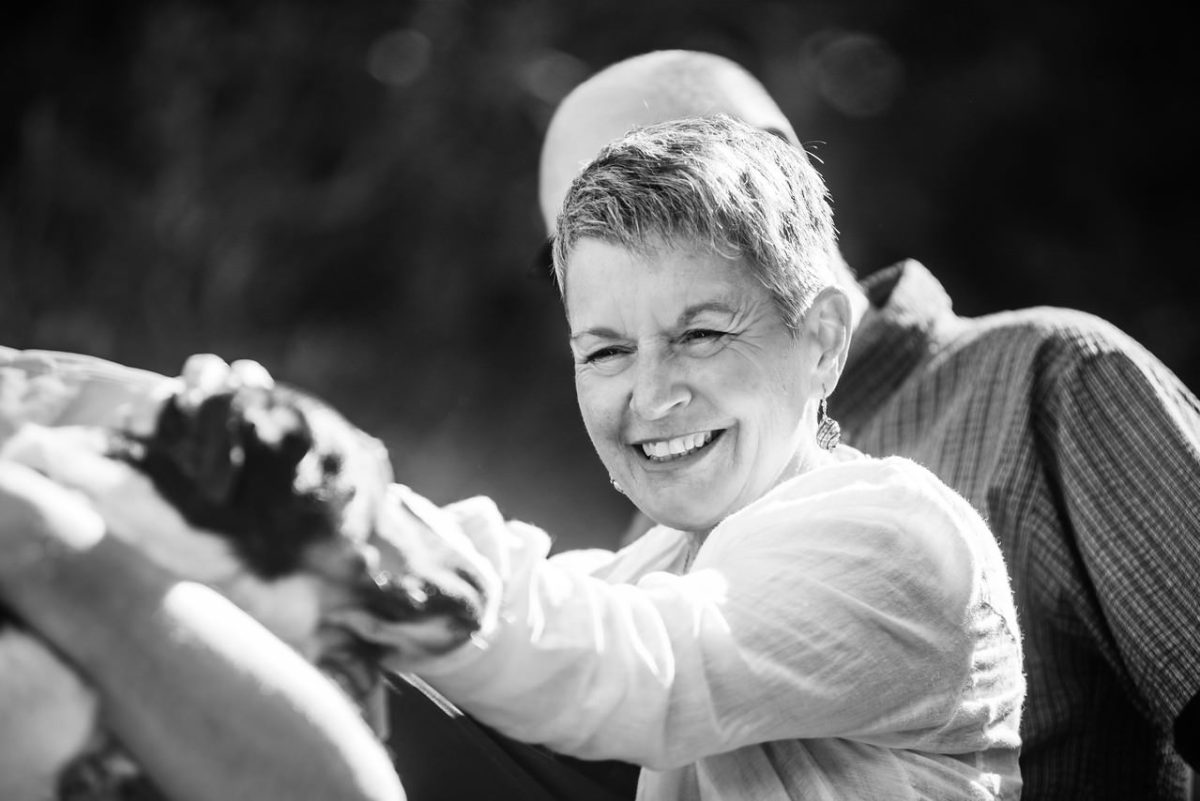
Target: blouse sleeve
<point>60,388</point>
<point>836,611</point>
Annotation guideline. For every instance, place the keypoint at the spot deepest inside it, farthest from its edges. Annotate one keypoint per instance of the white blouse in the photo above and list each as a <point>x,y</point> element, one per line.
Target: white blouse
<point>850,635</point>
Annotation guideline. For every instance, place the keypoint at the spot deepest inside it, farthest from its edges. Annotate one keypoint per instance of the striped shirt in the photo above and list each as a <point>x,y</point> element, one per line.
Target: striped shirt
<point>1083,452</point>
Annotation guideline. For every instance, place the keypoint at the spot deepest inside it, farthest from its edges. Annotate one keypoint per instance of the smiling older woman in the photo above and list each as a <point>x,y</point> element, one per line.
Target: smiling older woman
<point>805,622</point>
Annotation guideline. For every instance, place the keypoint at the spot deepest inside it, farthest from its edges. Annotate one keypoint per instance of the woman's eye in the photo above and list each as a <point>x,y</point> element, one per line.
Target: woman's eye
<point>603,354</point>
<point>701,335</point>
<point>701,342</point>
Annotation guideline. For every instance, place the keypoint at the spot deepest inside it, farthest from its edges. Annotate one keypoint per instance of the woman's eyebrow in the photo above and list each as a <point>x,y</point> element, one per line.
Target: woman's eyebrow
<point>685,318</point>
<point>692,312</point>
<point>599,331</point>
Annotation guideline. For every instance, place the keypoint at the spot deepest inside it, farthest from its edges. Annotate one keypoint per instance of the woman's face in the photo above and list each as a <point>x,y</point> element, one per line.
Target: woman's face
<point>695,394</point>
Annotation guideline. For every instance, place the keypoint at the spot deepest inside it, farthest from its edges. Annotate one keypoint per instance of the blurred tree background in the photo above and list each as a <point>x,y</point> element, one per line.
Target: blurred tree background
<point>347,192</point>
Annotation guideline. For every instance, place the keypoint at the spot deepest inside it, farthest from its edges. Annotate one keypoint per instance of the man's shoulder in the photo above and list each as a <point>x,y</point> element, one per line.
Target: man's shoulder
<point>1055,326</point>
<point>1064,343</point>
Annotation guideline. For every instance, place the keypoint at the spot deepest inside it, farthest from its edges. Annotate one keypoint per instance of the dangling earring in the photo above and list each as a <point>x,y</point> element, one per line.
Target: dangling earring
<point>829,433</point>
<point>616,486</point>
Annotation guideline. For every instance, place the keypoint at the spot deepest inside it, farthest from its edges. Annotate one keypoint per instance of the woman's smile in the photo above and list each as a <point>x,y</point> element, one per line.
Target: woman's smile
<point>677,449</point>
<point>691,386</point>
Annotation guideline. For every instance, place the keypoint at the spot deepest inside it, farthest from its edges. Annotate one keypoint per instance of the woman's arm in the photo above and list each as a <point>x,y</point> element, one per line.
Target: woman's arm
<point>842,609</point>
<point>211,704</point>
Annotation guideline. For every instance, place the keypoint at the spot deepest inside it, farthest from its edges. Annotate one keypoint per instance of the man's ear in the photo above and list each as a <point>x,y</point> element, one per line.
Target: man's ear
<point>829,322</point>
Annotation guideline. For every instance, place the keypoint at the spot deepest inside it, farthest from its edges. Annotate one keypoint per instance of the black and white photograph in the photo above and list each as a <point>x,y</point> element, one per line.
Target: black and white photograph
<point>582,401</point>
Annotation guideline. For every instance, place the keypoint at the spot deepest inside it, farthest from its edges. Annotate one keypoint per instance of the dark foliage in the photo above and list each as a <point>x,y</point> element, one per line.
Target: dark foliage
<point>347,192</point>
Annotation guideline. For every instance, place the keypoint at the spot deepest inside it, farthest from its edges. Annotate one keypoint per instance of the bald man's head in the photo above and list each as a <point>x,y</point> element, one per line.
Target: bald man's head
<point>643,90</point>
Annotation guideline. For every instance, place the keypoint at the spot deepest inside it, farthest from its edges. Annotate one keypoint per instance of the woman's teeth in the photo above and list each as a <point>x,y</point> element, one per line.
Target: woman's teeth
<point>665,449</point>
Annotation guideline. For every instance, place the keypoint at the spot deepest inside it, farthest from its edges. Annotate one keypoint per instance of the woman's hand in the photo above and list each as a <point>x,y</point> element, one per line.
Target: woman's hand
<point>39,521</point>
<point>30,392</point>
<point>426,550</point>
<point>75,457</point>
<point>203,375</point>
<point>207,700</point>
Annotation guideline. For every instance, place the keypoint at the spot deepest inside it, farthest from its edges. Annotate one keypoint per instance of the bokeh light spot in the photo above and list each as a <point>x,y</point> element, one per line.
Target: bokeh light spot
<point>551,74</point>
<point>856,73</point>
<point>400,57</point>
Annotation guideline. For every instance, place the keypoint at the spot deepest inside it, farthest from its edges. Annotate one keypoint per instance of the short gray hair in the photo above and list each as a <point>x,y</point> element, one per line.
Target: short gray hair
<point>711,182</point>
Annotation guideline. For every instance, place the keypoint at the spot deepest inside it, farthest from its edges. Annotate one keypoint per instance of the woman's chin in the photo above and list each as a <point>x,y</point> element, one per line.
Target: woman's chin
<point>683,516</point>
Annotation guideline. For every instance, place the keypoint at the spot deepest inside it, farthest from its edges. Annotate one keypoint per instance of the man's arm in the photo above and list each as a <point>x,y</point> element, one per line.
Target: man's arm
<point>211,704</point>
<point>1127,446</point>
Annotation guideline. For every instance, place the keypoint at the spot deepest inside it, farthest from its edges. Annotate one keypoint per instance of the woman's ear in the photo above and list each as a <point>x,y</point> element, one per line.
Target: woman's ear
<point>829,322</point>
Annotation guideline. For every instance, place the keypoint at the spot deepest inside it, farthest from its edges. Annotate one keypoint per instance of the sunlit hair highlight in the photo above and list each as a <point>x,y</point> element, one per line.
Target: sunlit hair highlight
<point>712,183</point>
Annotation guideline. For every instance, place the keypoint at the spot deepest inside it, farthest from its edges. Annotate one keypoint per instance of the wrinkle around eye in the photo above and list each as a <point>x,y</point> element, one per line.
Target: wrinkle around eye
<point>604,360</point>
<point>704,341</point>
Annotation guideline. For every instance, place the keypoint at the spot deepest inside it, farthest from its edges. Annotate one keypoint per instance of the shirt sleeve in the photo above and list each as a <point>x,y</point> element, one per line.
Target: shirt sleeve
<point>60,388</point>
<point>1128,447</point>
<point>801,619</point>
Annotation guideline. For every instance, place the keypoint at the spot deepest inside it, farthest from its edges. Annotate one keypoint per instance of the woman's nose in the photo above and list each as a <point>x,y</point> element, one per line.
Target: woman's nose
<point>658,388</point>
